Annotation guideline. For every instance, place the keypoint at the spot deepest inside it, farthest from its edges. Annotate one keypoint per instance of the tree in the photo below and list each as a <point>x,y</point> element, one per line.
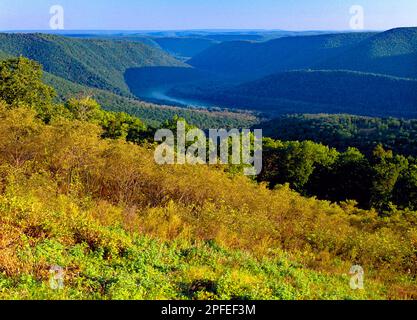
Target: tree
<point>123,126</point>
<point>387,168</point>
<point>21,85</point>
<point>294,162</point>
<point>405,192</point>
<point>349,178</point>
<point>85,109</point>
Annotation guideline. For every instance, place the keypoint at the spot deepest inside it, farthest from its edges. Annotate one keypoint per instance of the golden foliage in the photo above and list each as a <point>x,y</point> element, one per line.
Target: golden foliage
<point>66,167</point>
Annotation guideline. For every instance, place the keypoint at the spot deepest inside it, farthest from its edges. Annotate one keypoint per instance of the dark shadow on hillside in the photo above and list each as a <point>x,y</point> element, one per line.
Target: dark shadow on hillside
<point>153,83</point>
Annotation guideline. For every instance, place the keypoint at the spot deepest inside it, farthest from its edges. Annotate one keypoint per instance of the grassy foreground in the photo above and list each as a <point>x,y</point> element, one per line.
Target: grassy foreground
<point>123,227</point>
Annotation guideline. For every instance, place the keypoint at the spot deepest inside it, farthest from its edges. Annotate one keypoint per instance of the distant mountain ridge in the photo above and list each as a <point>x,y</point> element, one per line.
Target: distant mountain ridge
<point>253,60</point>
<point>187,44</point>
<point>363,73</point>
<point>372,74</point>
<point>393,52</point>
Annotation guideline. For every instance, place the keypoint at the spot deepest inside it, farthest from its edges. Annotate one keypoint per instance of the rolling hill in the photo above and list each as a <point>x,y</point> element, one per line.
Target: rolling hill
<point>180,47</point>
<point>359,73</point>
<point>342,131</point>
<point>319,92</point>
<point>152,114</point>
<point>393,52</point>
<point>97,67</point>
<point>121,226</point>
<point>366,74</point>
<point>95,63</point>
<point>247,60</point>
<point>186,44</point>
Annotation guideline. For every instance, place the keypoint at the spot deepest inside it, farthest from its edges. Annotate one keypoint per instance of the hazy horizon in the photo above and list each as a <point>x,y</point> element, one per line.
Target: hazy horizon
<point>187,15</point>
<point>195,30</point>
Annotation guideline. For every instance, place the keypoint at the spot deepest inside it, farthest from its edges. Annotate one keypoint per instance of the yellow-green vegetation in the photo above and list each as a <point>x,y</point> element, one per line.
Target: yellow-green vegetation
<point>123,227</point>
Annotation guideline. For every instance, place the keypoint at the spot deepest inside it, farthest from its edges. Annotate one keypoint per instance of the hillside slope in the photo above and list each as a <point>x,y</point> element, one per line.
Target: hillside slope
<point>320,91</point>
<point>78,67</point>
<point>342,131</point>
<point>253,60</point>
<point>151,114</point>
<point>123,227</point>
<point>393,52</point>
<point>95,63</point>
<point>87,213</point>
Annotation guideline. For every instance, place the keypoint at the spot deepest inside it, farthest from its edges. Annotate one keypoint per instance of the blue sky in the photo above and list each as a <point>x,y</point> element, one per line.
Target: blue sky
<point>206,14</point>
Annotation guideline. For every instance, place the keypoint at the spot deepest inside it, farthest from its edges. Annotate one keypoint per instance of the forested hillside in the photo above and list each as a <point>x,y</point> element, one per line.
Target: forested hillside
<point>187,44</point>
<point>182,47</point>
<point>317,92</point>
<point>95,63</point>
<point>343,131</point>
<point>368,74</point>
<point>392,52</point>
<point>246,60</point>
<point>79,188</point>
<point>381,180</point>
<point>97,67</point>
<point>152,114</point>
